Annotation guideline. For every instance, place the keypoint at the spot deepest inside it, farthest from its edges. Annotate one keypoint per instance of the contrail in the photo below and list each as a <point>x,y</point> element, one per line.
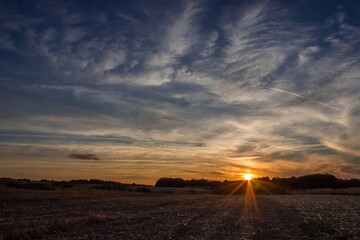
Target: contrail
<point>279,90</point>
<point>300,96</point>
<point>326,105</point>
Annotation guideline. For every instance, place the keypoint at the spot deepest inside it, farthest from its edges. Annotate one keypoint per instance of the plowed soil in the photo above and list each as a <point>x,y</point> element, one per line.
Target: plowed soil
<point>99,214</point>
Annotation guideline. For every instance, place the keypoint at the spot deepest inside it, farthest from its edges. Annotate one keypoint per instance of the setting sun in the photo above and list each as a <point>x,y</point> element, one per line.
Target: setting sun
<point>248,176</point>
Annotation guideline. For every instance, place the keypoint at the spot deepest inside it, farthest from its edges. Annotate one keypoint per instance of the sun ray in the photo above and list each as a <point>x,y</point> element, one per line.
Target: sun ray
<point>250,199</point>
<point>237,187</point>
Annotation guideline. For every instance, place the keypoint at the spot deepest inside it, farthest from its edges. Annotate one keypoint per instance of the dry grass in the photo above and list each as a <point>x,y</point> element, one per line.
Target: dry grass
<point>26,230</point>
<point>39,229</point>
<point>73,223</point>
<point>328,191</point>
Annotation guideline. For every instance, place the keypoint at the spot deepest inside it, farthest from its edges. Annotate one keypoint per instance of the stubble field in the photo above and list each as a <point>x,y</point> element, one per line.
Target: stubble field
<point>100,214</point>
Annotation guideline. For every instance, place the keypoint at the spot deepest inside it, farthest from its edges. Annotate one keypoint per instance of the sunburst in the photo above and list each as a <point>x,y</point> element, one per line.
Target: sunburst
<point>248,176</point>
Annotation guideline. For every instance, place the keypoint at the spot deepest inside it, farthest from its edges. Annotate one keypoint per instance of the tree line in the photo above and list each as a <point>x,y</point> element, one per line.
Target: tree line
<point>312,181</point>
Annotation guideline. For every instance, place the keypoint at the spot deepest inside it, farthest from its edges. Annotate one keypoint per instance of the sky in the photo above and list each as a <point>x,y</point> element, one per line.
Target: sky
<point>132,91</point>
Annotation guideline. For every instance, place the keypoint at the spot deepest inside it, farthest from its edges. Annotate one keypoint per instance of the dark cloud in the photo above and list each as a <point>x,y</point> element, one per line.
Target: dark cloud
<point>87,156</point>
<point>245,148</point>
<point>351,169</point>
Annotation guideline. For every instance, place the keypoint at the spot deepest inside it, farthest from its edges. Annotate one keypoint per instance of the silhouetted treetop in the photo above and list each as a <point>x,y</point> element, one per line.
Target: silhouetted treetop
<point>311,181</point>
<point>179,182</point>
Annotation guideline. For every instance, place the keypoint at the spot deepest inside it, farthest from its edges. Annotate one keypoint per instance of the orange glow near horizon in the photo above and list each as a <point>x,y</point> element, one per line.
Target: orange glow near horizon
<point>248,176</point>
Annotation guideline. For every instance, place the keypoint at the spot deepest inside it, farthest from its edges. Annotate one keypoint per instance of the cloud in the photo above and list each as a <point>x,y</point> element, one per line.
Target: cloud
<point>258,85</point>
<point>87,156</point>
<point>351,169</point>
<point>110,60</point>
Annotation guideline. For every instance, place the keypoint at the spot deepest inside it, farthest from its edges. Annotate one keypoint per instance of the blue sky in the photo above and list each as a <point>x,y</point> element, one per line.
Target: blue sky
<point>137,90</point>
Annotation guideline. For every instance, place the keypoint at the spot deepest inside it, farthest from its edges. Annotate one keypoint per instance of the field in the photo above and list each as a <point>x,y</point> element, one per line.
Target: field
<point>100,214</point>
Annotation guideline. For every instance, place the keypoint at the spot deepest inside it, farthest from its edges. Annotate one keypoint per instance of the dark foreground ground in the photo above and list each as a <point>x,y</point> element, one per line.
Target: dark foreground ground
<point>99,214</point>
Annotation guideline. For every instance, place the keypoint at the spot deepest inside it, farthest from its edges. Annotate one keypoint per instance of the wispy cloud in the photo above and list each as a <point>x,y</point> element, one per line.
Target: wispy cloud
<point>221,87</point>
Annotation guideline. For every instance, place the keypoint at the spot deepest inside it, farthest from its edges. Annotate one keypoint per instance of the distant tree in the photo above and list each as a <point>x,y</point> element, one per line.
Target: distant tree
<point>309,181</point>
<point>170,182</point>
<point>179,182</point>
<point>265,179</point>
